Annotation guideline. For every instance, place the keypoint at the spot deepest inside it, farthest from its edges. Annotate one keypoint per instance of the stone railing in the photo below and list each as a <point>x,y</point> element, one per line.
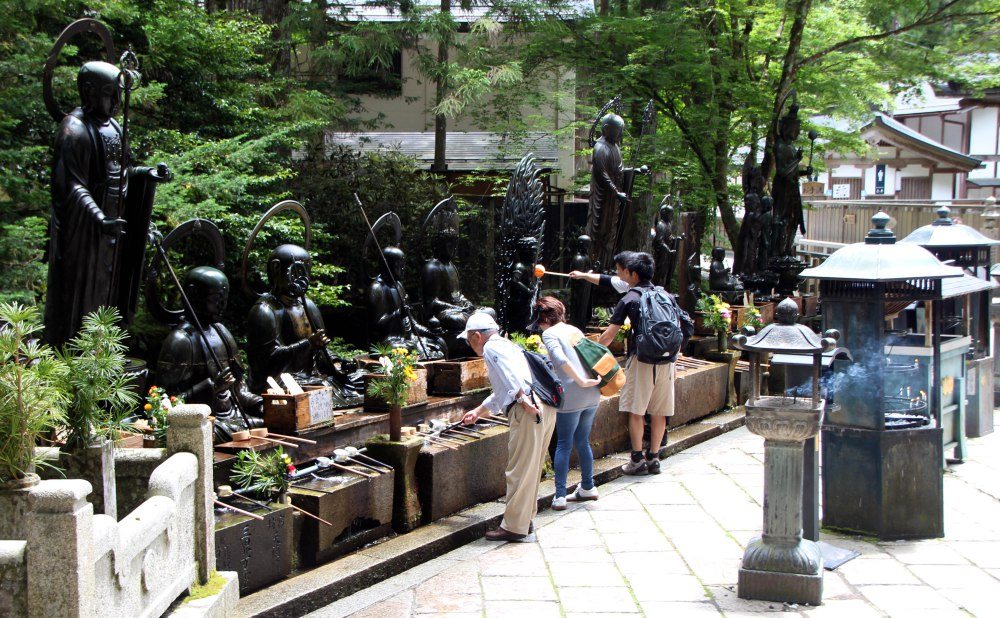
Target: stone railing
<point>75,563</point>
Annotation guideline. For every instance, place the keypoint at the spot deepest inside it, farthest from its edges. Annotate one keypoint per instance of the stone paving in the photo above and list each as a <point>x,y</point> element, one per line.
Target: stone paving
<point>670,545</point>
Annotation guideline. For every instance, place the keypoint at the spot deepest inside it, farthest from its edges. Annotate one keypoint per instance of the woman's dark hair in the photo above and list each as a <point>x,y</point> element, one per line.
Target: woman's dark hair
<point>550,310</point>
<point>641,264</point>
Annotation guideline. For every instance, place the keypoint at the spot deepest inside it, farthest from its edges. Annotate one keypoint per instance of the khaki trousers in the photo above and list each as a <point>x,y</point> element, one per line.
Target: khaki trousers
<point>527,445</point>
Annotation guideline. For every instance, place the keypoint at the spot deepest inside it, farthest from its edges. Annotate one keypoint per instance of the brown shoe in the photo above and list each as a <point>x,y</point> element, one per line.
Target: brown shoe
<point>503,535</point>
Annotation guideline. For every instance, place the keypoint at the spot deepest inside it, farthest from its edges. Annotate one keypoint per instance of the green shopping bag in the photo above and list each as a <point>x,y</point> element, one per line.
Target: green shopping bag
<point>601,363</point>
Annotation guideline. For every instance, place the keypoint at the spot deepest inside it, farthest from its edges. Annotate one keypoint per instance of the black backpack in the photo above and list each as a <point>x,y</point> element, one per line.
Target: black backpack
<point>663,327</point>
<point>546,386</point>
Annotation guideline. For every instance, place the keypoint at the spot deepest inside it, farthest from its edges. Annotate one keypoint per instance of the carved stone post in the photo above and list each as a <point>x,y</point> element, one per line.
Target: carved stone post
<point>780,565</point>
<point>189,430</point>
<point>60,550</point>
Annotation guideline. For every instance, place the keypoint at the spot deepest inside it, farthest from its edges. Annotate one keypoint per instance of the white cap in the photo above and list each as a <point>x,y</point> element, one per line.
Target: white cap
<point>479,321</point>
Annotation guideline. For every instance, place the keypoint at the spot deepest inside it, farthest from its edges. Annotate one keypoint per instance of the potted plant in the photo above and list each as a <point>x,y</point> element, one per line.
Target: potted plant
<point>263,475</point>
<point>101,397</point>
<point>531,343</point>
<point>750,316</point>
<point>158,405</point>
<point>716,316</point>
<point>393,385</point>
<point>32,397</point>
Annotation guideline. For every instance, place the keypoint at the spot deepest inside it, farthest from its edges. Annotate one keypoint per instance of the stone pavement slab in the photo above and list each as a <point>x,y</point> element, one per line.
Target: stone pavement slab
<point>670,545</point>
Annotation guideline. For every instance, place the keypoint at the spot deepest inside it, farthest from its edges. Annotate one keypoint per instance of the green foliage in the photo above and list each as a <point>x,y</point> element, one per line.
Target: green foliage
<point>99,389</point>
<point>32,398</point>
<point>21,249</point>
<point>531,343</point>
<point>264,474</point>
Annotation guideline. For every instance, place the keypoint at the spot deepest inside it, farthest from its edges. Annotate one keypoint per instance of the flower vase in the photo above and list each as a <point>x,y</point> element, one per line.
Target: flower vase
<point>395,423</point>
<point>722,341</point>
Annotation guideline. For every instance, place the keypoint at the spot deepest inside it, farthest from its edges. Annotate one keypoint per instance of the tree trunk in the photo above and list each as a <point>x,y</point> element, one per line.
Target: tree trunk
<point>440,122</point>
<point>789,69</point>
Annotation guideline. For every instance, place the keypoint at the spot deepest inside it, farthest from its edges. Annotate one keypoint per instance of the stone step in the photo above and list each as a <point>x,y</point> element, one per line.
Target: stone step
<point>318,587</point>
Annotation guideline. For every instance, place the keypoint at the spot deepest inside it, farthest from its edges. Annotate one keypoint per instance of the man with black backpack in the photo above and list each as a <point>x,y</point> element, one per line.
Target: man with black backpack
<point>525,391</point>
<point>658,330</point>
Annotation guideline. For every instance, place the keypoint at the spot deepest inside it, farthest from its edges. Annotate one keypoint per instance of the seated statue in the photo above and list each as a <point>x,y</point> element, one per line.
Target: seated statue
<point>721,281</point>
<point>286,332</point>
<point>391,319</point>
<point>188,370</point>
<point>445,308</point>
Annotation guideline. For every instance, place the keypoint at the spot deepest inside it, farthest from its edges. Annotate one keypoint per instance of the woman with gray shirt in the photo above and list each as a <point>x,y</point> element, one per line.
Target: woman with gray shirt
<point>580,399</point>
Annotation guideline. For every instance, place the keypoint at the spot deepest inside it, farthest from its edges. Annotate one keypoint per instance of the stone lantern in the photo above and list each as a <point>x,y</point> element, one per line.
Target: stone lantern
<point>961,245</point>
<point>780,565</point>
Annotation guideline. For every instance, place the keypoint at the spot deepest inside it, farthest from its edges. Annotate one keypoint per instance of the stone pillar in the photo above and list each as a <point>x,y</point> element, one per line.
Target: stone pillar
<point>189,430</point>
<point>780,565</point>
<point>402,456</point>
<point>60,550</point>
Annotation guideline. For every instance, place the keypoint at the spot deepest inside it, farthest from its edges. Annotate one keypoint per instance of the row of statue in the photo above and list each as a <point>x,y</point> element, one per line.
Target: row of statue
<point>102,208</point>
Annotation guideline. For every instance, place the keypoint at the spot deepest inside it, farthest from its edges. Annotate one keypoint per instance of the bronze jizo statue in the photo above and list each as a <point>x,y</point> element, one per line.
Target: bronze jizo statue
<point>392,322</point>
<point>785,189</point>
<point>101,207</point>
<point>445,309</point>
<point>607,189</point>
<point>286,334</point>
<point>720,281</point>
<point>523,286</point>
<point>581,308</point>
<point>188,369</point>
<point>665,245</point>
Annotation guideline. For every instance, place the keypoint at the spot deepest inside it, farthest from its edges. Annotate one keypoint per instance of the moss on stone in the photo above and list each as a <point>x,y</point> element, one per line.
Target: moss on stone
<point>212,587</point>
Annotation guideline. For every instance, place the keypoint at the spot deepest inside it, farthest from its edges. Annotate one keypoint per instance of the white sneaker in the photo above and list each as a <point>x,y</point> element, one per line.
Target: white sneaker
<point>559,504</point>
<point>582,494</point>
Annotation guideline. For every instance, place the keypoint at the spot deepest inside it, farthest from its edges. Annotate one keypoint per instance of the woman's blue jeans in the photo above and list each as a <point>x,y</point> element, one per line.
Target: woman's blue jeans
<point>573,430</point>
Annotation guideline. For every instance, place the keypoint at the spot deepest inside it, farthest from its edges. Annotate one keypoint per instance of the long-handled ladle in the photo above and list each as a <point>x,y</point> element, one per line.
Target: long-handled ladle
<point>263,432</point>
<point>245,436</point>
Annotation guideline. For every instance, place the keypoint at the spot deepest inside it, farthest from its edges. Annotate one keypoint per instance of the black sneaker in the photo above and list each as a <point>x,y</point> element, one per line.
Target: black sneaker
<point>653,466</point>
<point>635,468</point>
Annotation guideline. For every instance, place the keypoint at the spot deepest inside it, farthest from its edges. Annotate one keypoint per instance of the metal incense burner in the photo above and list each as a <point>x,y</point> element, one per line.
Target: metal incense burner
<point>780,565</point>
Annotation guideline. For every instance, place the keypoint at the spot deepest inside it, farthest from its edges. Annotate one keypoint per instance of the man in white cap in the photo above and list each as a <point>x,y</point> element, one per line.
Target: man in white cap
<point>528,440</point>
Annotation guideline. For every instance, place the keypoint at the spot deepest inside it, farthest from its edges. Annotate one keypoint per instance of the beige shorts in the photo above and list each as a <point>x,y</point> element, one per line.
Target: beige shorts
<point>641,394</point>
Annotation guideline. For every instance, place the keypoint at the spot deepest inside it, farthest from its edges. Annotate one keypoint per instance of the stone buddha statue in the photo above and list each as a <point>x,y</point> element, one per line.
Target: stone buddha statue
<point>188,369</point>
<point>444,307</point>
<point>391,321</point>
<point>286,333</point>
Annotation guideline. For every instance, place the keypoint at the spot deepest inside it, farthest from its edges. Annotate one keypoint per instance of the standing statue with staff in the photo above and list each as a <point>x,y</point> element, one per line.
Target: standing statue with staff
<point>101,201</point>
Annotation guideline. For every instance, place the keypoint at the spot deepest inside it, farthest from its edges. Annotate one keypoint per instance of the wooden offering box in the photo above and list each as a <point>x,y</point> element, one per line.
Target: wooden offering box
<point>418,391</point>
<point>454,377</point>
<point>295,412</point>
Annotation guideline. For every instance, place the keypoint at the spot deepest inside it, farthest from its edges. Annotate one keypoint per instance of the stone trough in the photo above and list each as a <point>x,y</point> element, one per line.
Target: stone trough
<point>449,480</point>
<point>260,552</point>
<point>360,510</point>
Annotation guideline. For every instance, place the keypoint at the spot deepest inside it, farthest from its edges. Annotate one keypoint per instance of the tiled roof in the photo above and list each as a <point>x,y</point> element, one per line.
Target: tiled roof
<point>903,136</point>
<point>374,11</point>
<point>464,151</point>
